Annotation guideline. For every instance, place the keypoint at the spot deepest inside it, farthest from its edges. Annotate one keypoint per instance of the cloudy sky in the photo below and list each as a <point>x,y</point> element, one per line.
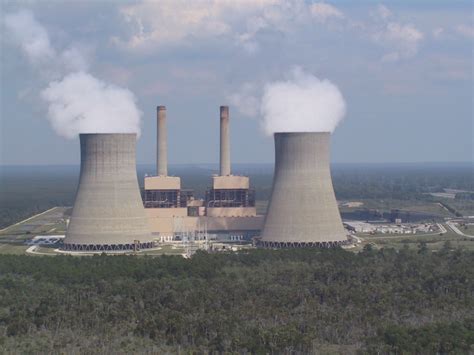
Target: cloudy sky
<point>404,69</point>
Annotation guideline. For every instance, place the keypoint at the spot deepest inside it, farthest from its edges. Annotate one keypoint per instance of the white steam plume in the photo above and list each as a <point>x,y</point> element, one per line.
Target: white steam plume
<point>79,102</point>
<point>303,103</point>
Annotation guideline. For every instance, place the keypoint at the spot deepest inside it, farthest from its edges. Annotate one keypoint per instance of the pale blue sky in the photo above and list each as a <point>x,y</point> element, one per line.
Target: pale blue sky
<point>405,69</point>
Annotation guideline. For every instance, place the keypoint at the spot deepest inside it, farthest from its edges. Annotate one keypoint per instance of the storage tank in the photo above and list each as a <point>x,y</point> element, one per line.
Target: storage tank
<point>108,213</point>
<point>303,210</point>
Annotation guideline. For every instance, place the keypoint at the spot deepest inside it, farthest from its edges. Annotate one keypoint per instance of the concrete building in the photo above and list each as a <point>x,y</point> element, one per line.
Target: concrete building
<point>229,196</point>
<point>303,210</point>
<point>108,213</point>
<point>163,197</point>
<point>228,210</point>
<point>162,193</point>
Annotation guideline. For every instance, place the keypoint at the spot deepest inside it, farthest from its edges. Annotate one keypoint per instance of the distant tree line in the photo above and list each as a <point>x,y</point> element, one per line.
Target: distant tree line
<point>258,301</point>
<point>30,190</point>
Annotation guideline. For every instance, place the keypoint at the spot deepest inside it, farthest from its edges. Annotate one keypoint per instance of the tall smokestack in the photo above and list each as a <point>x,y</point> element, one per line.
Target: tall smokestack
<point>161,145</point>
<point>303,210</point>
<point>108,213</point>
<point>225,144</point>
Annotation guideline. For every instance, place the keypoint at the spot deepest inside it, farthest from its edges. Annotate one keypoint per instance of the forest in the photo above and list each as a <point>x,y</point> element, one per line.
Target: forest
<point>258,301</point>
<point>25,191</point>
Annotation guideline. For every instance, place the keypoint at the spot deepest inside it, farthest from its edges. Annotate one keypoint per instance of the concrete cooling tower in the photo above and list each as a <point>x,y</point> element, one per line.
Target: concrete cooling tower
<point>303,210</point>
<point>108,213</point>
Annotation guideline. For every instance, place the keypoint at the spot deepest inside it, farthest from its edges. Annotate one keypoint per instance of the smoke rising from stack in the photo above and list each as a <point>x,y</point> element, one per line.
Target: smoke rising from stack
<point>77,101</point>
<point>81,103</point>
<point>303,103</point>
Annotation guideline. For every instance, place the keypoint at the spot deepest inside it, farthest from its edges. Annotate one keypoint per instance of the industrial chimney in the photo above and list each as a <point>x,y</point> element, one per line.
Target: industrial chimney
<point>161,145</point>
<point>225,143</point>
<point>303,211</point>
<point>108,213</point>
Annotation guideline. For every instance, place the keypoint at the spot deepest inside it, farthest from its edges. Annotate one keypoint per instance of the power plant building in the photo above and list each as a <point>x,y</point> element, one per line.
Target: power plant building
<point>228,209</point>
<point>230,196</point>
<point>303,210</point>
<point>108,213</point>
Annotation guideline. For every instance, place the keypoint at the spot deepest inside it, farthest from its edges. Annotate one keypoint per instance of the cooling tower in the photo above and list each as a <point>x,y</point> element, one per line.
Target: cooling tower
<point>303,211</point>
<point>108,213</point>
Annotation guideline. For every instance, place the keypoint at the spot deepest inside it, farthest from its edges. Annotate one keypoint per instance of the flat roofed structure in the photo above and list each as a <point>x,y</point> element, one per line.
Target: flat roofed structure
<point>163,191</point>
<point>162,183</point>
<point>230,195</point>
<point>230,182</point>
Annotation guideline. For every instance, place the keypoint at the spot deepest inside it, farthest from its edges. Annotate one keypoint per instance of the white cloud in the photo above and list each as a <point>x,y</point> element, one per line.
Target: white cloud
<point>35,42</point>
<point>176,22</point>
<point>31,36</point>
<point>465,30</point>
<point>78,102</point>
<point>438,32</point>
<point>246,99</point>
<point>171,21</point>
<point>322,12</point>
<point>381,12</point>
<point>401,40</point>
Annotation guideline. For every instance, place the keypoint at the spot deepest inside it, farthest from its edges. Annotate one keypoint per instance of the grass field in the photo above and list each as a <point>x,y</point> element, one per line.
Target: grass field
<point>406,205</point>
<point>13,238</point>
<point>165,249</point>
<point>433,241</point>
<point>12,248</point>
<point>468,229</point>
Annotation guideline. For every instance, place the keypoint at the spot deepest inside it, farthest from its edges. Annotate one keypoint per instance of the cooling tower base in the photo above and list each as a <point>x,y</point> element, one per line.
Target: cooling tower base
<point>300,245</point>
<point>106,247</point>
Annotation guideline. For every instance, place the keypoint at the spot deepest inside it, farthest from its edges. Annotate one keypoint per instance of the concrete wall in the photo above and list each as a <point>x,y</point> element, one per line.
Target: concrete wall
<point>231,211</point>
<point>169,225</point>
<point>162,183</point>
<point>303,206</point>
<point>166,212</point>
<point>108,207</point>
<point>230,182</point>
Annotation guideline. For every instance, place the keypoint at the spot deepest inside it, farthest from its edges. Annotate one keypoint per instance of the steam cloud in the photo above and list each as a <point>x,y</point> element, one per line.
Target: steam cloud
<point>78,102</point>
<point>81,103</point>
<point>303,103</point>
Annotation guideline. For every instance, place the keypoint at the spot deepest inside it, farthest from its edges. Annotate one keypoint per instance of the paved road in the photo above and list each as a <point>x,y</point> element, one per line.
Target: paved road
<point>26,220</point>
<point>441,228</point>
<point>457,230</point>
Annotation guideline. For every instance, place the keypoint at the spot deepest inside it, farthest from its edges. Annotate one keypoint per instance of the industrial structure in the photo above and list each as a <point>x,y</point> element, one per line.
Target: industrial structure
<point>228,210</point>
<point>108,213</point>
<point>303,211</point>
<point>110,216</point>
<point>163,191</point>
<point>230,196</point>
